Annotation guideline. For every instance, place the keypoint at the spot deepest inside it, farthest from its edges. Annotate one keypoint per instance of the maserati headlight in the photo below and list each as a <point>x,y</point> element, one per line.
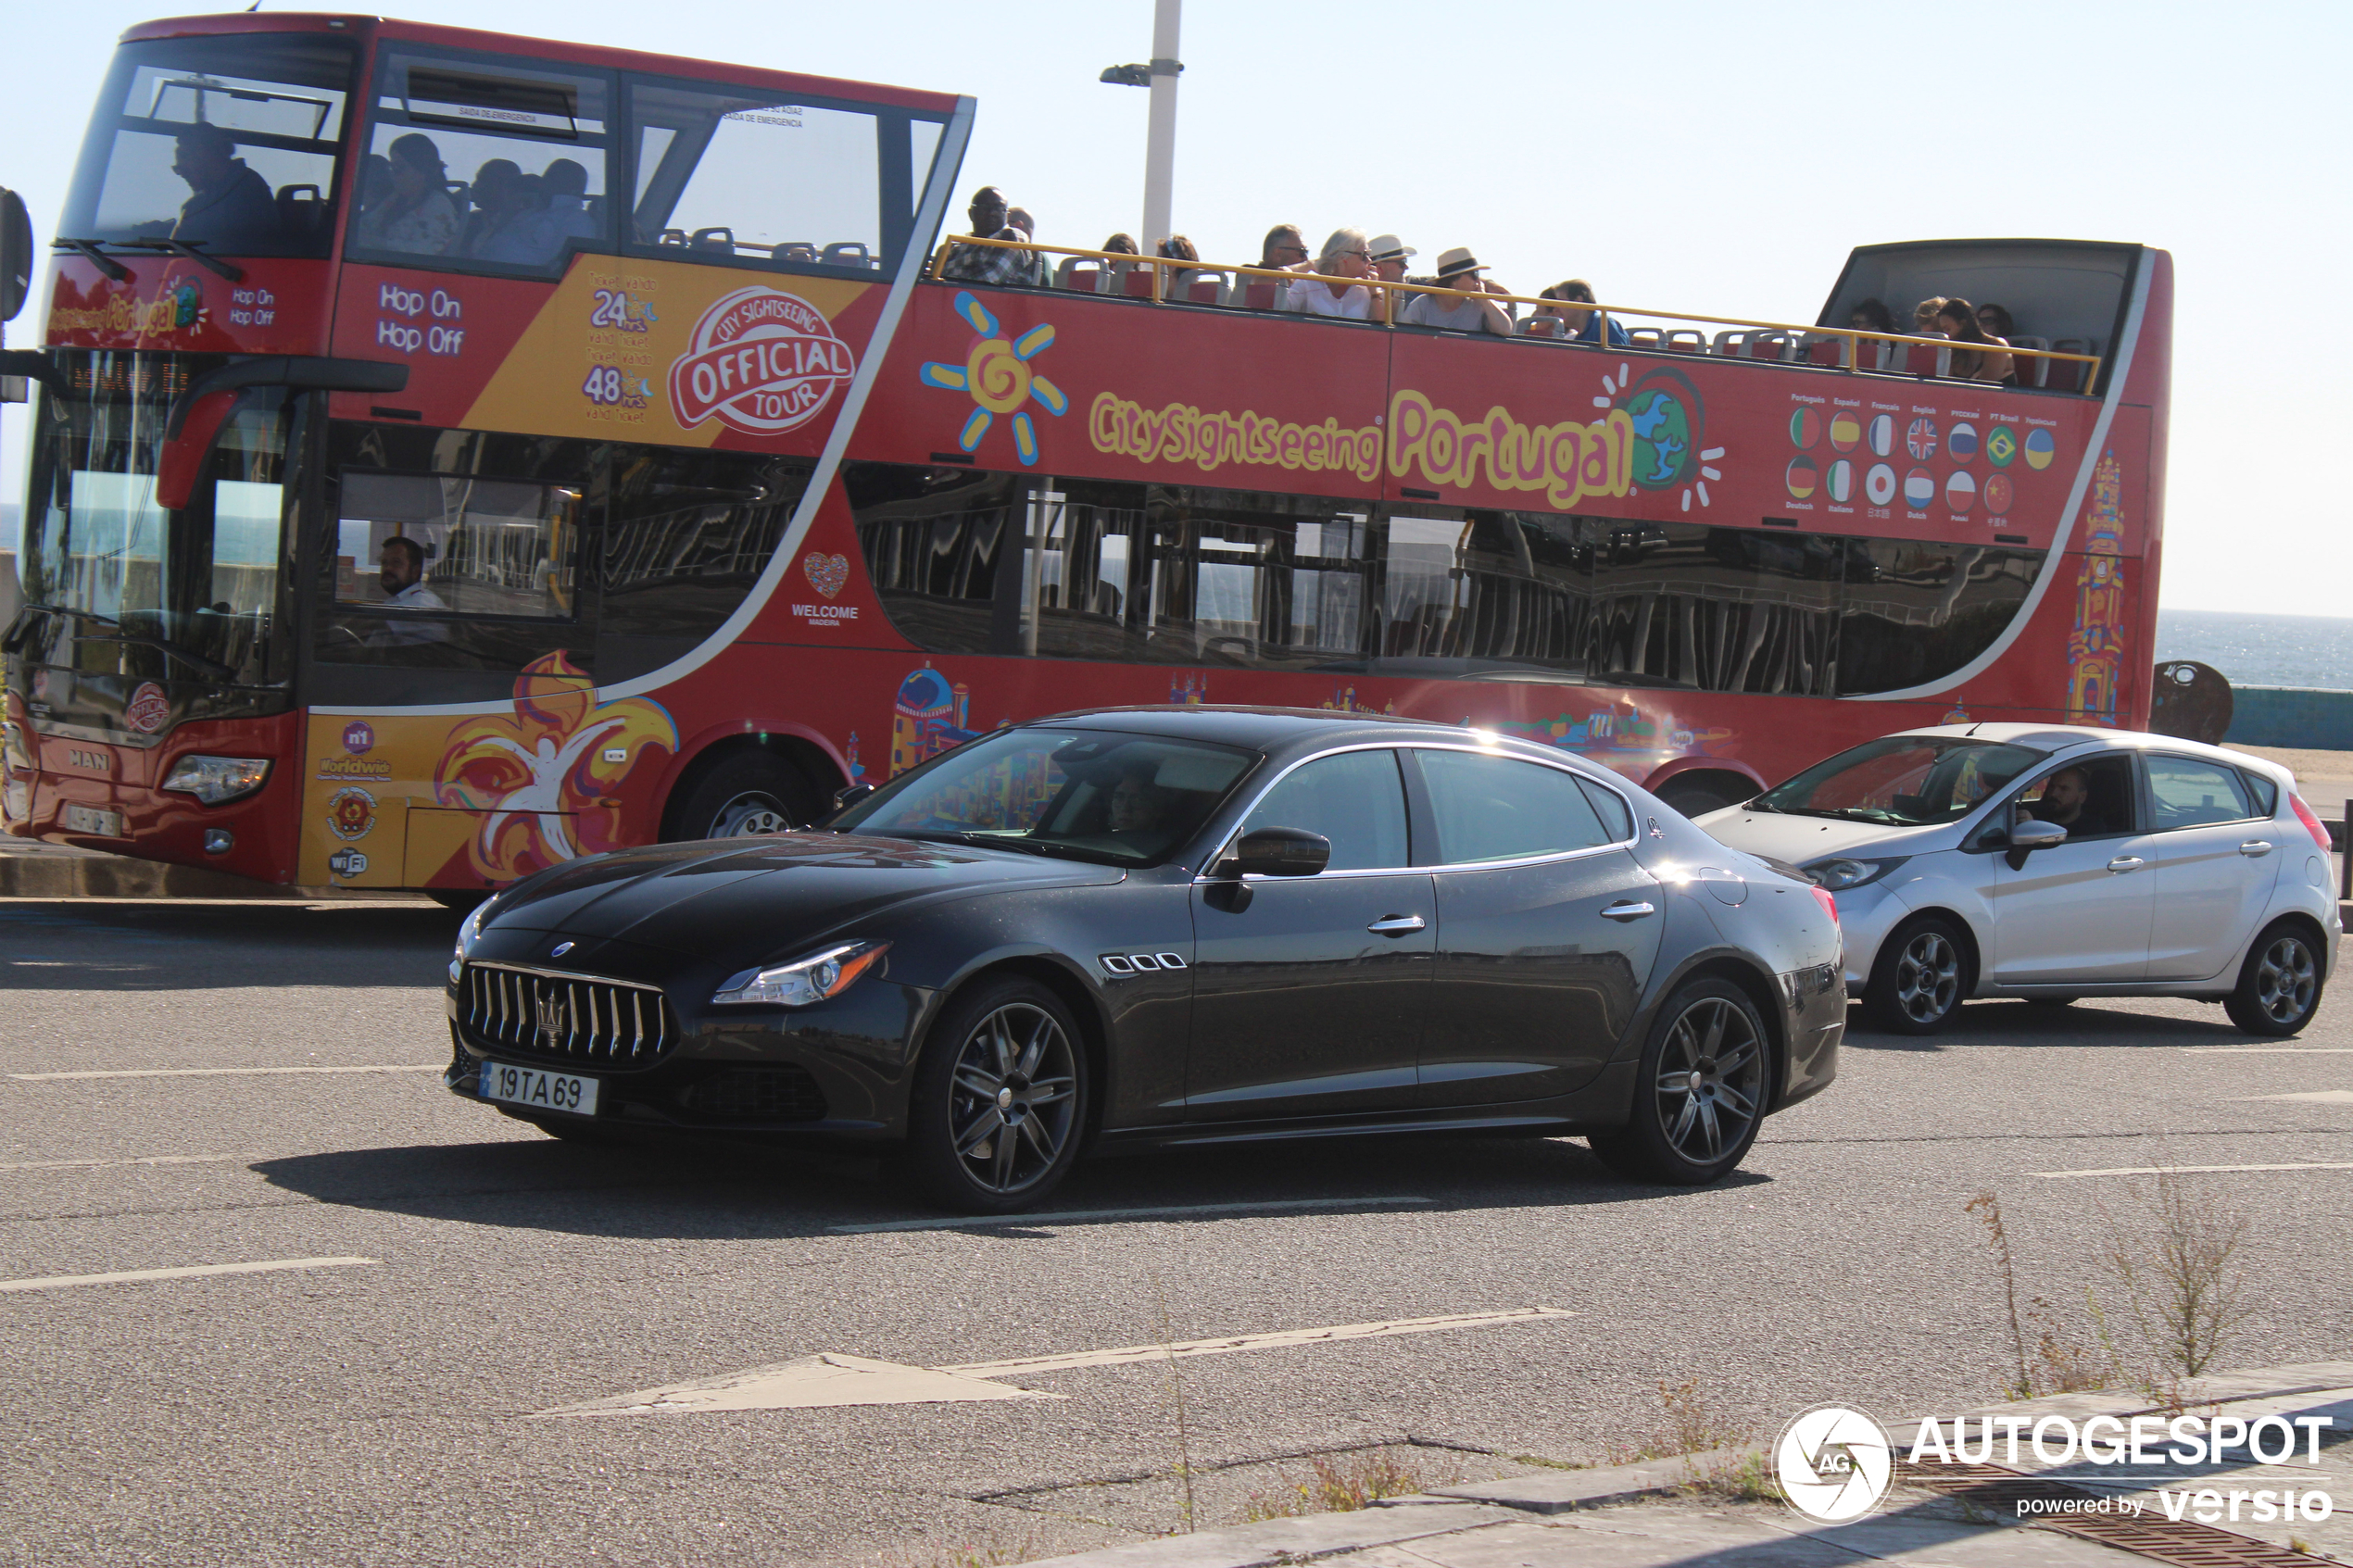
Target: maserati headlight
<point>215,779</point>
<point>1837,876</point>
<point>808,980</point>
<point>469,933</point>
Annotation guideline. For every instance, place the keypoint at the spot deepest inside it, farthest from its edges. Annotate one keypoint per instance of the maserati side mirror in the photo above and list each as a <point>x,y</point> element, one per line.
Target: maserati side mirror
<point>852,795</point>
<point>1277,852</point>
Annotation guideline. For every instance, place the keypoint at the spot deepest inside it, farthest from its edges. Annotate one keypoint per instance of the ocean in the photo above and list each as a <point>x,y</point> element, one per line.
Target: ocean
<point>2261,650</point>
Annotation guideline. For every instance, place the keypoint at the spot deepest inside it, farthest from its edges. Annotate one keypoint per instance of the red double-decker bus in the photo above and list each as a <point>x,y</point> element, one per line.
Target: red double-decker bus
<point>458,453</point>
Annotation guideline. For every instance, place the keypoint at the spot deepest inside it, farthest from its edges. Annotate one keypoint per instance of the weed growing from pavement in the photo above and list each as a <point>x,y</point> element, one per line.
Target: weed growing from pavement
<point>1177,1391</point>
<point>1717,1453</point>
<point>1343,1483</point>
<point>2183,1281</point>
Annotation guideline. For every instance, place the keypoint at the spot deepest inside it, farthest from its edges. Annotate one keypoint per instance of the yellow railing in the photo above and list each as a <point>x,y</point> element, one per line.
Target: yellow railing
<point>1385,294</point>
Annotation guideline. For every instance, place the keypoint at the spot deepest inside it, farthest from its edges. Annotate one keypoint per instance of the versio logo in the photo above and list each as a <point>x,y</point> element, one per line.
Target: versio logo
<point>1833,1463</point>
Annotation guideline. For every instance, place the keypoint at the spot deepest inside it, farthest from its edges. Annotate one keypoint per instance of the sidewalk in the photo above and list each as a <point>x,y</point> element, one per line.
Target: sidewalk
<point>1652,1515</point>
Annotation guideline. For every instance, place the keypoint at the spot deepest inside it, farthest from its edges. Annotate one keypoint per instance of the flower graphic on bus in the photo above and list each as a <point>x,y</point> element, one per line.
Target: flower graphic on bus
<point>997,374</point>
<point>539,777</point>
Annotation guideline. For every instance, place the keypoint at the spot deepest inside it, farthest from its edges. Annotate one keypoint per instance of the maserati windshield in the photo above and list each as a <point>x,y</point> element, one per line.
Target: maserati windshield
<point>1090,795</point>
<point>1902,780</point>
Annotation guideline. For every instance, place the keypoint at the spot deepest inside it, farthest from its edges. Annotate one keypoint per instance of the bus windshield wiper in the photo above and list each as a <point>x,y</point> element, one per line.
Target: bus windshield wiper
<point>188,248</point>
<point>97,257</point>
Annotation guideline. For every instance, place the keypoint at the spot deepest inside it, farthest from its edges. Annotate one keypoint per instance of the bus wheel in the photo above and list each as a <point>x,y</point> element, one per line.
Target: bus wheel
<point>750,791</point>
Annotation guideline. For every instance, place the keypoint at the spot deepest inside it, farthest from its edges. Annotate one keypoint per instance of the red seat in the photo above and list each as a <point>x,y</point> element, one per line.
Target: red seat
<point>2061,375</point>
<point>1139,282</point>
<point>1829,352</point>
<point>1205,291</point>
<point>1919,358</point>
<point>1082,280</point>
<point>1259,297</point>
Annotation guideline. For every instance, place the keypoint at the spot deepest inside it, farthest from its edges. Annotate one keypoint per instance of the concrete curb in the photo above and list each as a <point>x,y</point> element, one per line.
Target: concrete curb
<point>50,872</point>
<point>1566,1491</point>
<point>1273,1541</point>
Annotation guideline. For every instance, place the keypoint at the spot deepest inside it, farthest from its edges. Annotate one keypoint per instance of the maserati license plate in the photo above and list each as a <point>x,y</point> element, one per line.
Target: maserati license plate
<point>530,1087</point>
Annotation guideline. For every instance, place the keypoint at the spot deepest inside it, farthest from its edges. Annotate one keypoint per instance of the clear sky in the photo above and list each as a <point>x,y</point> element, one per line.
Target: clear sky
<point>1715,155</point>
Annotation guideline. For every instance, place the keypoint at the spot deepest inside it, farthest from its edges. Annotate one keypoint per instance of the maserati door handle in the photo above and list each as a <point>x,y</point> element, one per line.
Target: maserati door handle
<point>1396,925</point>
<point>2126,863</point>
<point>1628,912</point>
<point>2255,848</point>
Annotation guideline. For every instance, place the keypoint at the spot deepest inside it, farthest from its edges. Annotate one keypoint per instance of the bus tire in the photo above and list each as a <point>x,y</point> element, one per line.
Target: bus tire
<point>1697,793</point>
<point>751,791</point>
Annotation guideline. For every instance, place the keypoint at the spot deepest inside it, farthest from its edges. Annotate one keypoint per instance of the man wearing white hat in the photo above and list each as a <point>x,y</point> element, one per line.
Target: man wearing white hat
<point>1459,269</point>
<point>1388,254</point>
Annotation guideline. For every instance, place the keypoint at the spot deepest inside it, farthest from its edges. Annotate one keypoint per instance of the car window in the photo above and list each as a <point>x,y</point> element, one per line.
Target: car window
<point>1616,821</point>
<point>1501,808</point>
<point>2265,794</point>
<point>2191,794</point>
<point>1356,799</point>
<point>2094,799</point>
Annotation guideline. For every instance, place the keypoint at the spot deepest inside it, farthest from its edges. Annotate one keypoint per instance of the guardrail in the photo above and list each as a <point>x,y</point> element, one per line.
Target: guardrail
<point>1796,344</point>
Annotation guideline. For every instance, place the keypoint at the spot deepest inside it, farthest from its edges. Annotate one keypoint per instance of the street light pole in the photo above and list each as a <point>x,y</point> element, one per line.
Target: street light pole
<point>1160,144</point>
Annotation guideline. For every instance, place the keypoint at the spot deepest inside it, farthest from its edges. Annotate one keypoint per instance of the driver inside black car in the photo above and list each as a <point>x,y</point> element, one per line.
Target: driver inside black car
<point>1138,805</point>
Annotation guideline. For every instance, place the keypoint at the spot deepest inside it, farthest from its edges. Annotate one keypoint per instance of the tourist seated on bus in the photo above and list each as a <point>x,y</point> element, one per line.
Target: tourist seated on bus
<point>1995,319</point>
<point>1284,249</point>
<point>1459,269</point>
<point>1122,243</point>
<point>1989,362</point>
<point>989,264</point>
<point>1018,218</point>
<point>229,205</point>
<point>1345,255</point>
<point>526,218</point>
<point>1871,316</point>
<point>1582,326</point>
<point>564,186</point>
<point>1924,316</point>
<point>418,216</point>
<point>1388,254</point>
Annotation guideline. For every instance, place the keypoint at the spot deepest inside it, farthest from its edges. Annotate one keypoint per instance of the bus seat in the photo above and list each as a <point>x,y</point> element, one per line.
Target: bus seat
<point>848,253</point>
<point>1685,340</point>
<point>1079,274</point>
<point>2062,375</point>
<point>301,216</point>
<point>2030,372</point>
<point>1771,345</point>
<point>1206,289</point>
<point>1922,359</point>
<point>1540,326</point>
<point>794,250</point>
<point>1645,338</point>
<point>1259,295</point>
<point>1729,343</point>
<point>721,240</point>
<point>1138,284</point>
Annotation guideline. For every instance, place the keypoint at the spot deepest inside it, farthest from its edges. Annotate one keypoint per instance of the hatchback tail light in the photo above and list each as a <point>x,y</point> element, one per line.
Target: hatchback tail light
<point>1829,905</point>
<point>2312,824</point>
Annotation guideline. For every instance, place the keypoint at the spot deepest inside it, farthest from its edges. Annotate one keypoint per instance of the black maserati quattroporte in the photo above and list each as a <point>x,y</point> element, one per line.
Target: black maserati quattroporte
<point>1155,926</point>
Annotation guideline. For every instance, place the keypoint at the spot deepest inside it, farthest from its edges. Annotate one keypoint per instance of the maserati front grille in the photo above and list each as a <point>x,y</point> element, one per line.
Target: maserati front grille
<point>539,1013</point>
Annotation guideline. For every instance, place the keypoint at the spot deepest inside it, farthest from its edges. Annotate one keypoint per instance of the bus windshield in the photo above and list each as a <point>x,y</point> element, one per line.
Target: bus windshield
<point>1902,780</point>
<point>200,583</point>
<point>225,143</point>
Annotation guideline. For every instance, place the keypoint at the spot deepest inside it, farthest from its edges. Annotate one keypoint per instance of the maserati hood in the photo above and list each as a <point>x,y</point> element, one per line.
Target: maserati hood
<point>701,898</point>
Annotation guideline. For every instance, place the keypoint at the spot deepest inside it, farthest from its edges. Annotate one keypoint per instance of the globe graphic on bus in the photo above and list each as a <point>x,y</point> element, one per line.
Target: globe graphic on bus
<point>1662,406</point>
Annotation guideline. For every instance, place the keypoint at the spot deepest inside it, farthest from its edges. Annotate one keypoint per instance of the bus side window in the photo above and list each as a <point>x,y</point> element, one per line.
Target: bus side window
<point>689,533</point>
<point>735,172</point>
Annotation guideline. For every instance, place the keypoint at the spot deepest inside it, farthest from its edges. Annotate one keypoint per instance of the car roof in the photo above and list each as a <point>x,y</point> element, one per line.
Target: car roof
<point>1285,729</point>
<point>2056,738</point>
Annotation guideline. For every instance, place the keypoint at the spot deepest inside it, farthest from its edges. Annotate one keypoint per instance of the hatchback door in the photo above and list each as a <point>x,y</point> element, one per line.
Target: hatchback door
<point>2216,862</point>
<point>1547,927</point>
<point>1310,994</point>
<point>2081,910</point>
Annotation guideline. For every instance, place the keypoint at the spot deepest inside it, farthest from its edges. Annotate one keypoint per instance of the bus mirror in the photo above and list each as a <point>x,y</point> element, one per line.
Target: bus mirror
<point>197,414</point>
<point>15,256</point>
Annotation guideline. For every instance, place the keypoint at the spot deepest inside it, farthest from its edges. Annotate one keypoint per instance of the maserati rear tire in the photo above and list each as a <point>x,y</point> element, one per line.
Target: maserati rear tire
<point>1700,1092</point>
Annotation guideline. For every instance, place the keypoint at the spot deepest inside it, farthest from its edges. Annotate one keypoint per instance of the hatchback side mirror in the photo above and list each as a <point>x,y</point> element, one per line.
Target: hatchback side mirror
<point>1277,852</point>
<point>2035,834</point>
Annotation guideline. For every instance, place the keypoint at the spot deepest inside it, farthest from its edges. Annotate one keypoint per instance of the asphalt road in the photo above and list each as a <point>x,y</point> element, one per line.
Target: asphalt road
<point>383,1411</point>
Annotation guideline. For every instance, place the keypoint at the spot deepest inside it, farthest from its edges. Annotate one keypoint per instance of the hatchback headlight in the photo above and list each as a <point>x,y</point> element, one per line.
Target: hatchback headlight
<point>812,979</point>
<point>1837,876</point>
<point>215,779</point>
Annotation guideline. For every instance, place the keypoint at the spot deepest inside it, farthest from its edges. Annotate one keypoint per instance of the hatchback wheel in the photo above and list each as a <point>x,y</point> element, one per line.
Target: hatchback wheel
<point>998,1102</point>
<point>1700,1093</point>
<point>2280,986</point>
<point>1918,983</point>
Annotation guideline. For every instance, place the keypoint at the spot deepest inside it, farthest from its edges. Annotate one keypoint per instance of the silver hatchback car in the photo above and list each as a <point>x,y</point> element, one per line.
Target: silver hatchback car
<point>2051,864</point>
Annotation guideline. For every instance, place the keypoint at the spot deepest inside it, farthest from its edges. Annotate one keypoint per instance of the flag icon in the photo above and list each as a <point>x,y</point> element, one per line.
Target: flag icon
<point>2041,448</point>
<point>1841,480</point>
<point>1961,442</point>
<point>2001,446</point>
<point>1804,429</point>
<point>1919,489</point>
<point>1845,431</point>
<point>1801,477</point>
<point>1880,483</point>
<point>1921,439</point>
<point>1883,435</point>
<point>1999,492</point>
<point>1961,491</point>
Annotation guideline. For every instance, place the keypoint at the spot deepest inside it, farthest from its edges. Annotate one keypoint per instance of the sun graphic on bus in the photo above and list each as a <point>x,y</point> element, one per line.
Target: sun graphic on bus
<point>997,375</point>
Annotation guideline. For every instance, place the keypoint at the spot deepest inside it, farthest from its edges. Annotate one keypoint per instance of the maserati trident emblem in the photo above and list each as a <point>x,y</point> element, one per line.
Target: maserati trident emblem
<point>559,949</point>
<point>551,1019</point>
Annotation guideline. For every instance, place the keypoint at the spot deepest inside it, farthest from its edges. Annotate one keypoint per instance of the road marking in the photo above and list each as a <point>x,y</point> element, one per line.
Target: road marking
<point>110,1164</point>
<point>812,1382</point>
<point>59,1282</point>
<point>2195,1170</point>
<point>1281,1339</point>
<point>1083,1216</point>
<point>2318,1096</point>
<point>218,1072</point>
<point>2268,1051</point>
